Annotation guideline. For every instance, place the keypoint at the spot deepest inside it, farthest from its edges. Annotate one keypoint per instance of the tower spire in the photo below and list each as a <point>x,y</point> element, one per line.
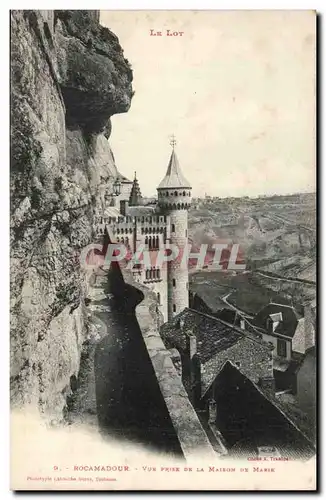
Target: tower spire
<point>135,198</point>
<point>174,178</point>
<point>173,141</point>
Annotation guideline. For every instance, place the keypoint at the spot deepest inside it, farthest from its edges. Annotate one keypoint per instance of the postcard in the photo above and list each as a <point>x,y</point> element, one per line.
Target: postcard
<point>163,250</point>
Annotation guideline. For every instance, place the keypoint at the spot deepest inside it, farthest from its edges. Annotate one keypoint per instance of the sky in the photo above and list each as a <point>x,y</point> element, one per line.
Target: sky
<point>237,89</point>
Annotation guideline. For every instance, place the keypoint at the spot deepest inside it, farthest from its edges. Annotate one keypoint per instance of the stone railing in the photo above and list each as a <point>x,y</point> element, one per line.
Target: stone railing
<point>189,431</point>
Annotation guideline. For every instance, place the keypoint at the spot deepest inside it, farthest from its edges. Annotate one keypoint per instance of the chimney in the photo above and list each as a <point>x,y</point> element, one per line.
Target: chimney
<point>194,369</point>
<point>212,411</point>
<point>192,345</point>
<point>267,383</point>
<point>124,204</point>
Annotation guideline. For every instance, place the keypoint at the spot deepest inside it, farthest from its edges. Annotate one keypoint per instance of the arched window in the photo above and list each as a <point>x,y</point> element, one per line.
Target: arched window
<point>159,274</point>
<point>157,242</point>
<point>158,297</point>
<point>147,274</point>
<point>150,243</point>
<point>167,193</point>
<point>174,308</point>
<point>122,240</point>
<point>146,240</point>
<point>173,282</point>
<point>173,228</point>
<point>184,193</point>
<point>175,193</point>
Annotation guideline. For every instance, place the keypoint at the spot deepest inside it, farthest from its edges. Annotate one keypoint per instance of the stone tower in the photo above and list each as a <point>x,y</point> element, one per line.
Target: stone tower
<point>174,199</point>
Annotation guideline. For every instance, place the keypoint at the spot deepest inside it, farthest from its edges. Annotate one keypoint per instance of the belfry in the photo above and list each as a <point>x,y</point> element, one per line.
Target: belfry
<point>174,200</point>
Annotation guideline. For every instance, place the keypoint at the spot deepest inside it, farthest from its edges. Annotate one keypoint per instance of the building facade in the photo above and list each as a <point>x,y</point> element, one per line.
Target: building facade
<point>155,227</point>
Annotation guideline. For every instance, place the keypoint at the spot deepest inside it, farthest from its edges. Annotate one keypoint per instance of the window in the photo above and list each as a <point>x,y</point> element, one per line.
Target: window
<point>173,228</point>
<point>173,282</point>
<point>159,298</point>
<point>281,348</point>
<point>174,308</point>
<point>238,364</point>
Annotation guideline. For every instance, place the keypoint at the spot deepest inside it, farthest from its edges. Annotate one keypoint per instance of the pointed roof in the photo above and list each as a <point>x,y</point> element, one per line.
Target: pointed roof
<point>135,198</point>
<point>174,177</point>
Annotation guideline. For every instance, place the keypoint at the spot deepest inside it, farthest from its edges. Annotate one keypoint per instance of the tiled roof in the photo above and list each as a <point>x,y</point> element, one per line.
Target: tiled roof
<point>210,295</point>
<point>289,321</point>
<point>229,367</point>
<point>174,177</point>
<point>212,334</point>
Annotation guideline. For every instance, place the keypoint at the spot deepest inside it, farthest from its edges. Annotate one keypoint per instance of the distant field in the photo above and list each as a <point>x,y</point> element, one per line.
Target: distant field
<point>246,295</point>
<point>269,230</point>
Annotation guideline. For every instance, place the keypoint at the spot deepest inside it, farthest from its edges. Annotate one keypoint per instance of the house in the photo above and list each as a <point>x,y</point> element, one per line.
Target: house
<point>249,420</point>
<point>288,329</point>
<point>292,333</point>
<point>205,343</point>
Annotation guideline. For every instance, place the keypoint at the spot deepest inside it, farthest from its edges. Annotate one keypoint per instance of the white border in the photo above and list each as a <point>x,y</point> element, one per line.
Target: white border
<point>319,6</point>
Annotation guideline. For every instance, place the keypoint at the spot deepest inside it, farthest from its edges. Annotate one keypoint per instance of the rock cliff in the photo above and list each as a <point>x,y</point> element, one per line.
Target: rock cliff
<point>68,76</point>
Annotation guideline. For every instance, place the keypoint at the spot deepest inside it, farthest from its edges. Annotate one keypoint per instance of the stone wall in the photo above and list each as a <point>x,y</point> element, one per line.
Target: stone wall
<point>178,279</point>
<point>187,428</point>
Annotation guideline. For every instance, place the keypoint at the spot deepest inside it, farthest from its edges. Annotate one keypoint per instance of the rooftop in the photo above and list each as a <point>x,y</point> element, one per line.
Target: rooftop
<point>263,413</point>
<point>213,334</point>
<point>174,177</point>
<point>287,325</point>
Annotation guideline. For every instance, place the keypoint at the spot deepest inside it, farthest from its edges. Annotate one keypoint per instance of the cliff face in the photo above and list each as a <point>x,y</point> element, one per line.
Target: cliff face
<point>68,77</point>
